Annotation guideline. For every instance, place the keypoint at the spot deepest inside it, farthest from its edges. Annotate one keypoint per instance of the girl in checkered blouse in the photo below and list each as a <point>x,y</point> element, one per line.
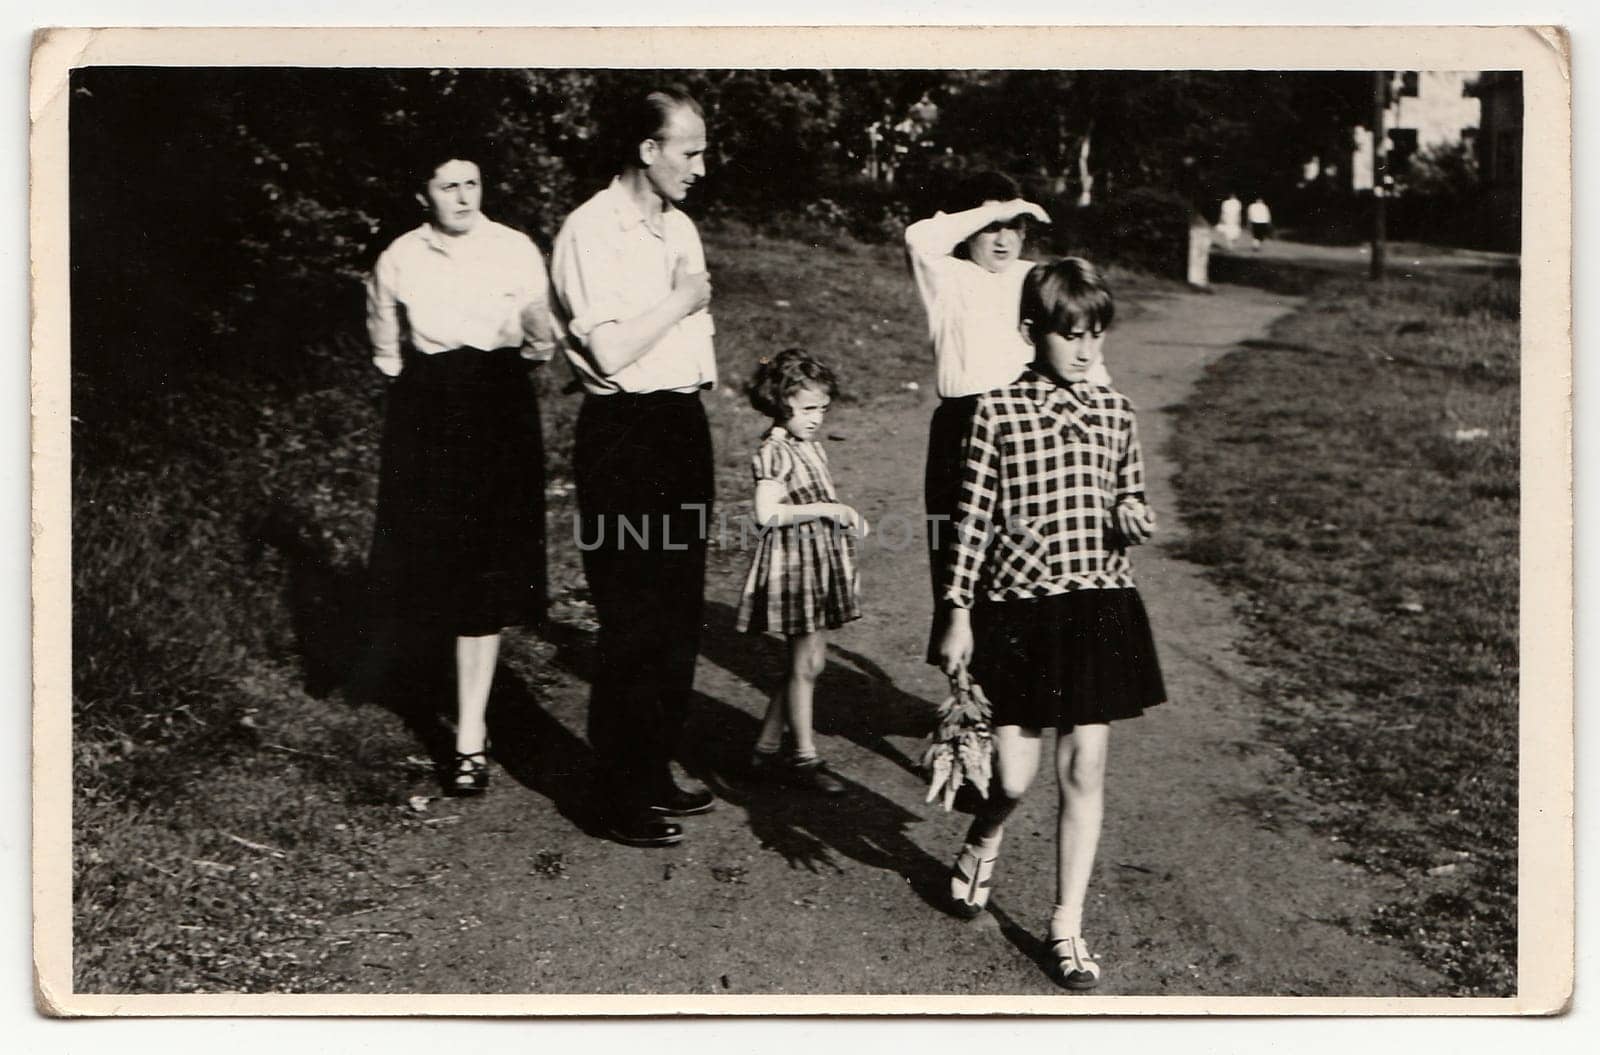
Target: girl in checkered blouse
<point>1052,499</point>
<point>802,580</point>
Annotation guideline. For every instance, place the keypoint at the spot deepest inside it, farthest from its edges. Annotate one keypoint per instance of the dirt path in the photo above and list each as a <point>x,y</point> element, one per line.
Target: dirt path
<point>1208,879</point>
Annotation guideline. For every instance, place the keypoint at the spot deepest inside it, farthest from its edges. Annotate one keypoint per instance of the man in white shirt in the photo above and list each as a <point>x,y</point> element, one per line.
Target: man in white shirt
<point>630,280</point>
<point>1260,218</point>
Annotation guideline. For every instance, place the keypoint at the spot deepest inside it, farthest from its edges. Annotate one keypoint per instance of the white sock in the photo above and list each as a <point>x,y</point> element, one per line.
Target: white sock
<point>988,848</point>
<point>1065,923</point>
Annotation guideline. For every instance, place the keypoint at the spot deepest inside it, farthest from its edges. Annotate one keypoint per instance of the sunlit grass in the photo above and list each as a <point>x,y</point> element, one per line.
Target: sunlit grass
<point>1355,483</point>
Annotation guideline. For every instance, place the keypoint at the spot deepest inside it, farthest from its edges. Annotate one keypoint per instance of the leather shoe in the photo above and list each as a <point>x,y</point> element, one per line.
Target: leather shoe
<point>673,801</point>
<point>643,829</point>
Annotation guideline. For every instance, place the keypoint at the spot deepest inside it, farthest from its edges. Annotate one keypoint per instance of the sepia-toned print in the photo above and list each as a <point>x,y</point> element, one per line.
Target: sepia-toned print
<point>820,535</point>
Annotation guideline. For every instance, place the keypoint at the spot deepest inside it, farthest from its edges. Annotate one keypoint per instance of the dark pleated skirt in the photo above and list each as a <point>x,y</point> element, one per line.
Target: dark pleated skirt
<point>941,490</point>
<point>1079,658</point>
<point>459,542</point>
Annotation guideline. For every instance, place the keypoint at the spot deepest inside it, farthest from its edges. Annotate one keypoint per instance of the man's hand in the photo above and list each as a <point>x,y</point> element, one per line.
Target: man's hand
<point>694,288</point>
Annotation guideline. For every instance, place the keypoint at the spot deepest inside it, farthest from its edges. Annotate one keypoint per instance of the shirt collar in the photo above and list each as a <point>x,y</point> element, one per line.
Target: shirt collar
<point>627,210</point>
<point>433,239</point>
<point>1045,389</point>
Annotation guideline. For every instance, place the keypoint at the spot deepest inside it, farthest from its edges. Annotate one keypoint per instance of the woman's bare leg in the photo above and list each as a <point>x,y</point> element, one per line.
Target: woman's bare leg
<point>475,663</point>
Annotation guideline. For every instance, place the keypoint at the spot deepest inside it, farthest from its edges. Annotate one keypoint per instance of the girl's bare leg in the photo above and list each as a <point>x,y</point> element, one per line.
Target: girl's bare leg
<point>771,739</point>
<point>1081,774</point>
<point>808,654</point>
<point>475,662</point>
<point>1016,760</point>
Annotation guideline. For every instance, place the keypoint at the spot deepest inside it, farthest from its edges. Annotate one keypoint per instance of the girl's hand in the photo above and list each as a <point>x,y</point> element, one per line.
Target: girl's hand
<point>955,647</point>
<point>852,521</point>
<point>1135,520</point>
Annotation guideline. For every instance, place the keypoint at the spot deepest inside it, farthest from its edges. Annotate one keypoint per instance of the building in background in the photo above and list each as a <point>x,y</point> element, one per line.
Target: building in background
<point>1428,110</point>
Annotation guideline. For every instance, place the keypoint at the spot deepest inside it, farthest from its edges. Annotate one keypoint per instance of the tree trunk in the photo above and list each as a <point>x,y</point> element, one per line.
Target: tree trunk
<point>1085,177</point>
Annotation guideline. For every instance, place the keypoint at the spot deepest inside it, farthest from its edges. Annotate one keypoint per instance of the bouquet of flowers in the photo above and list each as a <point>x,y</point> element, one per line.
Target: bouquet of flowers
<point>960,747</point>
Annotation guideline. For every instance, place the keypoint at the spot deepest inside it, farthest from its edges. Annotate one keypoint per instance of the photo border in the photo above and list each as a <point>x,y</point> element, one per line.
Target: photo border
<point>1546,749</point>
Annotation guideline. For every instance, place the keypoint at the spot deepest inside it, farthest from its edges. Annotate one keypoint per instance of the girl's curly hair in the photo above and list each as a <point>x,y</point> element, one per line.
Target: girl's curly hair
<point>780,376</point>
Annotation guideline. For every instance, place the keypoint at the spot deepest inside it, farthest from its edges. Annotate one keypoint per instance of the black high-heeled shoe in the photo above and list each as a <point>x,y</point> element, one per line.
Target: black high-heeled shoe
<point>467,774</point>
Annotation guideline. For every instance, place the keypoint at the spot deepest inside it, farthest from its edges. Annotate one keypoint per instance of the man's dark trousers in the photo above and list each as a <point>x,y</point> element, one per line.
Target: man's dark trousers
<point>645,481</point>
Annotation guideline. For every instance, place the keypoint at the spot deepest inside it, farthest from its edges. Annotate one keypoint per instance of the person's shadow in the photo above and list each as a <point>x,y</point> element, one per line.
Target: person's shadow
<point>809,830</point>
<point>855,698</point>
<point>346,651</point>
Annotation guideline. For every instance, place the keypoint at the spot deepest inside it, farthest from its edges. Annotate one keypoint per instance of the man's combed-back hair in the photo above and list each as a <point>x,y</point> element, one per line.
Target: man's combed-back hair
<point>645,116</point>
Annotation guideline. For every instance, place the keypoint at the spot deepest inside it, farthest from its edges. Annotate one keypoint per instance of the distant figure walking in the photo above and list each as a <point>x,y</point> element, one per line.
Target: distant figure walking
<point>1230,219</point>
<point>455,309</point>
<point>1260,218</point>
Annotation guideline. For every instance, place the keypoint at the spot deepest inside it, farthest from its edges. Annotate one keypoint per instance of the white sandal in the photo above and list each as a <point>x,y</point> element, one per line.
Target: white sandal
<point>1074,968</point>
<point>970,880</point>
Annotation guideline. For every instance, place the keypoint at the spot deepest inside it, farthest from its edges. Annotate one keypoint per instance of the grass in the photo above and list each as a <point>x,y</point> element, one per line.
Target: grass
<point>1354,482</point>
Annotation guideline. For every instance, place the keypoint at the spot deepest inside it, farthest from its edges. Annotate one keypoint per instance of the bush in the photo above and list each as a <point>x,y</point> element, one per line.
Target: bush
<point>1146,228</point>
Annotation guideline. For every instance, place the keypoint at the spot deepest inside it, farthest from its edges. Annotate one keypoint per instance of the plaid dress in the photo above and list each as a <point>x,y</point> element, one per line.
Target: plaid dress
<point>803,577</point>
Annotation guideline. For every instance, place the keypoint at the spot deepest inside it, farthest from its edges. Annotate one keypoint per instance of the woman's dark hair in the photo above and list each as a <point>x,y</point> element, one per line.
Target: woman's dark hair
<point>782,375</point>
<point>974,190</point>
<point>425,158</point>
<point>1063,294</point>
<point>645,116</point>
<point>980,187</point>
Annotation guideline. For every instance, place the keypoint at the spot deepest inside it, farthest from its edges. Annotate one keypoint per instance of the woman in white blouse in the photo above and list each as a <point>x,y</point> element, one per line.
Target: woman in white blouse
<point>968,267</point>
<point>455,309</point>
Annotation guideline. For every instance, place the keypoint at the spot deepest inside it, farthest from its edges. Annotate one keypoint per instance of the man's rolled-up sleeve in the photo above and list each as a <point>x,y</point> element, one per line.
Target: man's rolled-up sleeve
<point>584,271</point>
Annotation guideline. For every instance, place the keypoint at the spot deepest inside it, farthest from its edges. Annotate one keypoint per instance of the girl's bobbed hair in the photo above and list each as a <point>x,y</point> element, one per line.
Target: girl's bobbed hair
<point>779,376</point>
<point>1062,293</point>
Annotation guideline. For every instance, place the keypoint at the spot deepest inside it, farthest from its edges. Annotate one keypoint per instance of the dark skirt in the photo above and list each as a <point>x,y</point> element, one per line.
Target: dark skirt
<point>941,493</point>
<point>459,542</point>
<point>1078,658</point>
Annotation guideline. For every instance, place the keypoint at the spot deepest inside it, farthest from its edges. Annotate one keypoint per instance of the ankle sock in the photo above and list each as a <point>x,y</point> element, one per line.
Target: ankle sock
<point>1065,923</point>
<point>805,756</point>
<point>989,847</point>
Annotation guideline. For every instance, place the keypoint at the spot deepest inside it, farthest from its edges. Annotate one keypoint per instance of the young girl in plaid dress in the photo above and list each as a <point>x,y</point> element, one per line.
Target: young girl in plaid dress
<point>802,580</point>
<point>1052,498</point>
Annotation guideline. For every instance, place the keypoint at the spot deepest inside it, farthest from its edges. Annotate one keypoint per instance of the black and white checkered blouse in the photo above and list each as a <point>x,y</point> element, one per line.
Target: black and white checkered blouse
<point>1052,493</point>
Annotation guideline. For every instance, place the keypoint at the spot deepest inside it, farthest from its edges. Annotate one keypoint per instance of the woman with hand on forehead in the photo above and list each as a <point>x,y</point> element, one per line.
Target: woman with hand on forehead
<point>456,308</point>
<point>968,267</point>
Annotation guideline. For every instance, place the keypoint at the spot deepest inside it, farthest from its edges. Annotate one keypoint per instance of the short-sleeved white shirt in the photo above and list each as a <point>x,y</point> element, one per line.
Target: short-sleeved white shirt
<point>608,265</point>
